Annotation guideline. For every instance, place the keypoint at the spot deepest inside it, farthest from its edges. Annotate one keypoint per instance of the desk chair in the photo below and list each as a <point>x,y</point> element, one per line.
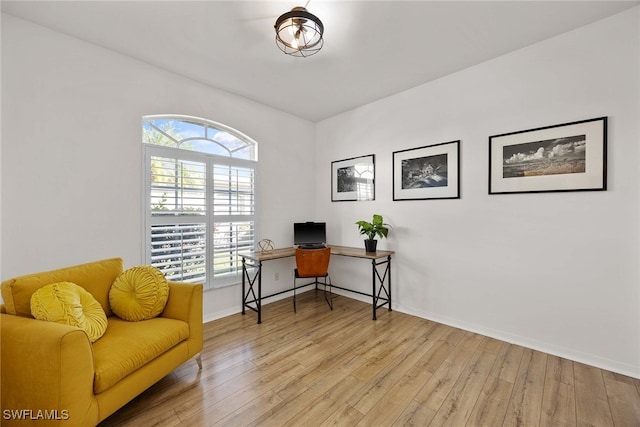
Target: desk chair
<point>313,263</point>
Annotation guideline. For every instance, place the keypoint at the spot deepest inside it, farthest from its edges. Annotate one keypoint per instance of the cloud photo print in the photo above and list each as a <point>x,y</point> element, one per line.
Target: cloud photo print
<point>550,157</point>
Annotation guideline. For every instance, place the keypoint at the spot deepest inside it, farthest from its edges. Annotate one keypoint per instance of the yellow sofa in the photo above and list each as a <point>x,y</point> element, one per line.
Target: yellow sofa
<point>52,375</point>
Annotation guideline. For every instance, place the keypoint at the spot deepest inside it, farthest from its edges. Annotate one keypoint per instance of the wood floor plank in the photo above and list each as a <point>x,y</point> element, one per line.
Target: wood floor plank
<point>245,389</point>
<point>526,398</point>
<point>435,391</point>
<point>508,363</point>
<point>343,415</point>
<point>491,406</point>
<point>492,345</point>
<point>623,412</point>
<point>459,403</point>
<point>415,414</point>
<point>592,403</point>
<point>393,365</point>
<point>249,412</point>
<point>160,417</point>
<point>322,409</point>
<point>393,402</point>
<point>385,397</point>
<point>321,367</point>
<point>299,384</point>
<point>288,410</point>
<point>558,399</point>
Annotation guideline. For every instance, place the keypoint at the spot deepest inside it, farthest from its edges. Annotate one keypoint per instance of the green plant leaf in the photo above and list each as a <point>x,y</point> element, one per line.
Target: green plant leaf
<point>376,228</point>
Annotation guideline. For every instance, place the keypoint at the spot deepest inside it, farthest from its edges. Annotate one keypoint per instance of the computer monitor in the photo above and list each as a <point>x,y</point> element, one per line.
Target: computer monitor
<point>309,234</point>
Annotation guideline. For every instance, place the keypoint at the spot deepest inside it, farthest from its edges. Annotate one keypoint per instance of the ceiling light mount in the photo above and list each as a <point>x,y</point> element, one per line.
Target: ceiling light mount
<point>299,33</point>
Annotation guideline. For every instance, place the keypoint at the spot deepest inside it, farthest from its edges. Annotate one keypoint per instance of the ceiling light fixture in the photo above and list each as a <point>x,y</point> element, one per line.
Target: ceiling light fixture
<point>299,33</point>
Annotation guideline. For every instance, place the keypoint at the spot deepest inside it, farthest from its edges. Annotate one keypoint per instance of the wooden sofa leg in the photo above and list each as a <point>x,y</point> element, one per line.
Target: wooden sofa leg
<point>199,361</point>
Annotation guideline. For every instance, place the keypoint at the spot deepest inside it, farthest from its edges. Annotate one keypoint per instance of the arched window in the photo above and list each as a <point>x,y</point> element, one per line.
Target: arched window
<point>199,185</point>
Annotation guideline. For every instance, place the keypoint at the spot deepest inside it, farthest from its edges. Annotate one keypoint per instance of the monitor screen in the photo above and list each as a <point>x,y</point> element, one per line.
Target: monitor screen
<point>309,233</point>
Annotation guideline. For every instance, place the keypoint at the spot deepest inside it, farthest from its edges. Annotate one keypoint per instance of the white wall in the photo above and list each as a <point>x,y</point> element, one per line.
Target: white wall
<point>71,153</point>
<point>553,271</point>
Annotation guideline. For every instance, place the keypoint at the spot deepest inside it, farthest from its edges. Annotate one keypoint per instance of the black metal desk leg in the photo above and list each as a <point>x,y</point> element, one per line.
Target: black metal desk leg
<point>244,273</point>
<point>386,288</point>
<point>389,279</point>
<point>249,288</point>
<point>259,302</point>
<point>374,301</point>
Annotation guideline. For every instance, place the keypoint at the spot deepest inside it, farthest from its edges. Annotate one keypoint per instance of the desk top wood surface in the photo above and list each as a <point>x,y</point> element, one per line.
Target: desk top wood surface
<point>335,250</point>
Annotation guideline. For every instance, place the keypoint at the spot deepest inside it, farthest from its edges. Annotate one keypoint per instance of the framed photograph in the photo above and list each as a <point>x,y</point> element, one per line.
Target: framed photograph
<point>566,157</point>
<point>353,179</point>
<point>430,172</point>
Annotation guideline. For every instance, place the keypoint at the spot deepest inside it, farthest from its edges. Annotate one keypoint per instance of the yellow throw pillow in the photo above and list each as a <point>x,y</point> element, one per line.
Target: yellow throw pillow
<point>68,303</point>
<point>139,293</point>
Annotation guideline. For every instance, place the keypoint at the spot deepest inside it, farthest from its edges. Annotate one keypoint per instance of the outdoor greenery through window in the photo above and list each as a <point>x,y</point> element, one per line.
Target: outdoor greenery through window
<point>199,183</point>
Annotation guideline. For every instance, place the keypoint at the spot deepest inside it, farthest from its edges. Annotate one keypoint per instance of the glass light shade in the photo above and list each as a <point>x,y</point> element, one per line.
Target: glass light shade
<point>299,33</point>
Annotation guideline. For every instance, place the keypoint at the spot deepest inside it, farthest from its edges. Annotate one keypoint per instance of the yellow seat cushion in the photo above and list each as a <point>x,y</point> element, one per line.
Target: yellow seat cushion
<point>68,303</point>
<point>129,345</point>
<point>139,293</point>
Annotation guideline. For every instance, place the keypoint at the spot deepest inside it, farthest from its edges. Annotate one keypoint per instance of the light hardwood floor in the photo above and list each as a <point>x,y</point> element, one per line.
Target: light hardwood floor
<point>320,367</point>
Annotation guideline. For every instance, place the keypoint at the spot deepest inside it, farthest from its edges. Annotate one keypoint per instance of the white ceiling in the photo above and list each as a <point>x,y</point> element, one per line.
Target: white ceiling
<point>372,48</point>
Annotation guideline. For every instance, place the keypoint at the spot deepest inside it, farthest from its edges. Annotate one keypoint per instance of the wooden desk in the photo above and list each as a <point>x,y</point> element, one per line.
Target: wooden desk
<point>380,295</point>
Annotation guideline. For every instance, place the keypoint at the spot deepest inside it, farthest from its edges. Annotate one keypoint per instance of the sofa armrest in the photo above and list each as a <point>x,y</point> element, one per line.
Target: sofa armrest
<point>185,303</point>
<point>46,366</point>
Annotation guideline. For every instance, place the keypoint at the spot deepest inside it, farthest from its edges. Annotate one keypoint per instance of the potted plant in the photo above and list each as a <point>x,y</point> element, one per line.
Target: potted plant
<point>373,229</point>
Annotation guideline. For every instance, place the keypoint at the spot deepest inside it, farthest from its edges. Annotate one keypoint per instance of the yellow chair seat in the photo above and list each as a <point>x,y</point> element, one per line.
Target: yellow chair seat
<point>126,346</point>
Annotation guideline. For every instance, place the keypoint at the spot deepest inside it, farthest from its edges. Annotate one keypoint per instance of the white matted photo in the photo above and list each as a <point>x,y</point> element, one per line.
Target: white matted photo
<point>429,172</point>
<point>353,179</point>
<point>565,157</point>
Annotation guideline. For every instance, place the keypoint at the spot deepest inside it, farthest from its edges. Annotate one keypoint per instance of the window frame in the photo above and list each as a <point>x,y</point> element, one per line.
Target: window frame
<point>210,218</point>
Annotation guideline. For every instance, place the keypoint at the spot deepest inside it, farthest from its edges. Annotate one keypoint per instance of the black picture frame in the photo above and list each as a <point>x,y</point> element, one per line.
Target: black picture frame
<point>428,172</point>
<point>353,179</point>
<point>565,157</point>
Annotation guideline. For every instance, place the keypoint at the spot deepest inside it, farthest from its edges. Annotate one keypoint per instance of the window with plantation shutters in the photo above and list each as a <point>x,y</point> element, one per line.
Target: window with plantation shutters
<point>199,183</point>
